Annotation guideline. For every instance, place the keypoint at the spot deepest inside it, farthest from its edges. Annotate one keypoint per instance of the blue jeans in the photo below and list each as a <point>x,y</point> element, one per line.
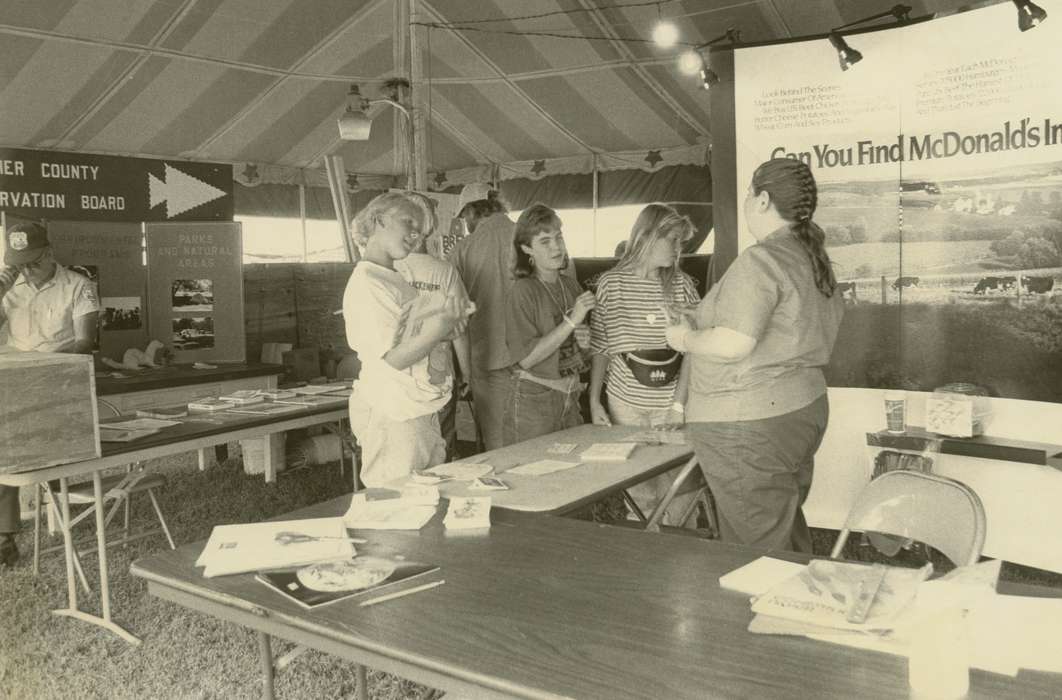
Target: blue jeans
<point>533,409</point>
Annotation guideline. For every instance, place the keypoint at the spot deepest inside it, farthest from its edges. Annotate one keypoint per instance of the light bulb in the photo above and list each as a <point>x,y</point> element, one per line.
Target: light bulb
<point>690,62</point>
<point>665,34</point>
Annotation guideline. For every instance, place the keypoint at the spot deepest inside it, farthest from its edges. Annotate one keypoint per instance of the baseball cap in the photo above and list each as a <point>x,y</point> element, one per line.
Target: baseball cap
<point>24,243</point>
<point>472,192</point>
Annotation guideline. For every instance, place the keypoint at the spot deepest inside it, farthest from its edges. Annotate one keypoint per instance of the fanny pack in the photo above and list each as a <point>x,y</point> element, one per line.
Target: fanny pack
<point>654,368</point>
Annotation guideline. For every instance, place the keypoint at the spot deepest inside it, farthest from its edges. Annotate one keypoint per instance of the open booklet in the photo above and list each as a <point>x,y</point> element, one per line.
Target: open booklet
<point>330,582</point>
<point>826,593</point>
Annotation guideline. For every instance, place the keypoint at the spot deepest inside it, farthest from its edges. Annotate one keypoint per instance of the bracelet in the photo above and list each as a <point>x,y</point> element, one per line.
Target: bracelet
<point>678,407</point>
<point>569,321</point>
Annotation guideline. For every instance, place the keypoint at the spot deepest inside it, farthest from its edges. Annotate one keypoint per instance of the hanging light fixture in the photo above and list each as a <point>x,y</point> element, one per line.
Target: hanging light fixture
<point>354,123</point>
<point>1029,14</point>
<point>846,55</point>
<point>665,33</point>
<point>692,62</point>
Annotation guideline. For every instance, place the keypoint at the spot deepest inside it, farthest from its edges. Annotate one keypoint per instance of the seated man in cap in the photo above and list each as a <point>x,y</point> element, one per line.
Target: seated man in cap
<point>44,307</point>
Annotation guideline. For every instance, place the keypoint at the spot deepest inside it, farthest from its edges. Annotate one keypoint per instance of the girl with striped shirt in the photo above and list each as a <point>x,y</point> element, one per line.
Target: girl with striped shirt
<point>645,380</point>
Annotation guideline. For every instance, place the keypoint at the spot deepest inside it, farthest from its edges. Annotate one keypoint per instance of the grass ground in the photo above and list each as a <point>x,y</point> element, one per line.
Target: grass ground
<point>184,654</point>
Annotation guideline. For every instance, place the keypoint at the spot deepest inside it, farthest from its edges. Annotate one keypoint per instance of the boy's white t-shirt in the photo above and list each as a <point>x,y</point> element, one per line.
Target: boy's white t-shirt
<point>373,306</point>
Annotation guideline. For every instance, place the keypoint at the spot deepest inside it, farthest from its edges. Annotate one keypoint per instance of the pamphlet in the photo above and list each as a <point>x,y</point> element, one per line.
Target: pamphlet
<point>163,412</point>
<point>313,400</point>
<point>210,403</point>
<point>467,513</point>
<point>244,396</point>
<point>322,388</point>
<point>330,582</point>
<point>108,434</point>
<point>408,507</point>
<point>234,549</point>
<point>541,467</point>
<point>266,409</point>
<point>608,452</point>
<point>561,448</point>
<point>140,424</point>
<point>488,483</point>
<point>461,471</point>
<point>825,591</point>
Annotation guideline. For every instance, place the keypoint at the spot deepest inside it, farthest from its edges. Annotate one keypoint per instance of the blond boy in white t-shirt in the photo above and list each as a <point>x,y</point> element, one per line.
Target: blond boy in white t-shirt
<point>393,410</point>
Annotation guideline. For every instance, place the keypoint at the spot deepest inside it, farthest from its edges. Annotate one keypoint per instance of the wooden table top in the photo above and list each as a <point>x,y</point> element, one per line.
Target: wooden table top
<point>542,607</point>
<point>179,375</point>
<point>567,490</point>
<point>209,429</point>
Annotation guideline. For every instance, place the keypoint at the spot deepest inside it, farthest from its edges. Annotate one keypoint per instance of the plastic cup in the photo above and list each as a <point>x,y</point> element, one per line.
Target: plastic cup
<point>938,660</point>
<point>895,411</point>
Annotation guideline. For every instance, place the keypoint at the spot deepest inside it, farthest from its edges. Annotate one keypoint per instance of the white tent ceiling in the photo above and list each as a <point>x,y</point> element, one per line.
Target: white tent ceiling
<point>263,81</point>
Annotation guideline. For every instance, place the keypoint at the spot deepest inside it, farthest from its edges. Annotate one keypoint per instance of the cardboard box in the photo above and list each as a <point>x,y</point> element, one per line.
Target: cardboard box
<point>48,410</point>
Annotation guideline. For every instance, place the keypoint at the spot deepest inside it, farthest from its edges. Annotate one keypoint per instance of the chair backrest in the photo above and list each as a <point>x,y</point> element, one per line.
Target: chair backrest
<point>943,513</point>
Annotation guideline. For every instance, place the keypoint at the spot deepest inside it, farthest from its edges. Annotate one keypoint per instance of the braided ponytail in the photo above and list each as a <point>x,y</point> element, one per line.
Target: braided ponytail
<point>795,196</point>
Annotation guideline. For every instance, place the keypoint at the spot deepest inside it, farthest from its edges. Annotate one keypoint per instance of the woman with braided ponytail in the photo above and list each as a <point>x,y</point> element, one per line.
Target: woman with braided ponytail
<point>757,407</point>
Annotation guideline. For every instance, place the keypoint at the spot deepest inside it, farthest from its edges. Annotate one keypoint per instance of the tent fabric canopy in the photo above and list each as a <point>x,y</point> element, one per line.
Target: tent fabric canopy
<point>261,83</point>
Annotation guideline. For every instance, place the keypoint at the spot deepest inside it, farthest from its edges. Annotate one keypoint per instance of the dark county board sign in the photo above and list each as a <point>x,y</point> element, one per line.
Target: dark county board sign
<point>85,187</point>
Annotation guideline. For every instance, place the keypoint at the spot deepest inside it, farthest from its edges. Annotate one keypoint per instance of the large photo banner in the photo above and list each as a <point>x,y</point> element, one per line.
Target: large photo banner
<point>939,163</point>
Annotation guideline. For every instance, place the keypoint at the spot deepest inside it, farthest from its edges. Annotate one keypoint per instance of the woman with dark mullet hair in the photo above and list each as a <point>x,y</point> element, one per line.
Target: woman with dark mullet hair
<point>757,406</point>
<point>547,316</point>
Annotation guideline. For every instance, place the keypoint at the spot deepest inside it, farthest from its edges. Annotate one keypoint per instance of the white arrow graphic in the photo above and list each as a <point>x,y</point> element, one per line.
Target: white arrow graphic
<point>180,191</point>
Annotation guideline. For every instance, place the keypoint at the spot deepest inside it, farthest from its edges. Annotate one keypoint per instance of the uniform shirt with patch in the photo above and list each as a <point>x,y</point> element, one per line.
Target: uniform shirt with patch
<point>42,320</point>
<point>629,316</point>
<point>429,275</point>
<point>375,306</point>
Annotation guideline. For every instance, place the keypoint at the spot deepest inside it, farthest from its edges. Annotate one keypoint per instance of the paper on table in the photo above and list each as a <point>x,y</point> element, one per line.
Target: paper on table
<point>562,448</point>
<point>234,549</point>
<point>608,452</point>
<point>413,507</point>
<point>461,471</point>
<point>470,512</point>
<point>759,576</point>
<point>980,656</point>
<point>141,424</point>
<point>542,466</point>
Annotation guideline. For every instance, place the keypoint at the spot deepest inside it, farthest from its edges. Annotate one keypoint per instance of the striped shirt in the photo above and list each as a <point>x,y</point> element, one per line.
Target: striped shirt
<point>629,316</point>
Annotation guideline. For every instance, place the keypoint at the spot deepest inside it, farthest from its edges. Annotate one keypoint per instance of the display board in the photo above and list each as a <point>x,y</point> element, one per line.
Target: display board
<point>111,254</point>
<point>195,290</point>
<point>939,163</point>
<point>53,185</point>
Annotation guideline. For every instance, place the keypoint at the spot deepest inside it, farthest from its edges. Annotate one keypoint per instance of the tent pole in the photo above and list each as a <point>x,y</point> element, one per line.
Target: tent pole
<point>595,183</point>
<point>419,117</point>
<point>335,169</point>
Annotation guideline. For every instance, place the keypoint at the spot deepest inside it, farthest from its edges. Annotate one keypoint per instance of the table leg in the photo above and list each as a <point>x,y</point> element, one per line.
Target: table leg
<point>221,452</point>
<point>204,458</point>
<point>653,525</point>
<point>68,544</point>
<point>265,656</point>
<point>362,692</point>
<point>269,457</point>
<point>101,541</point>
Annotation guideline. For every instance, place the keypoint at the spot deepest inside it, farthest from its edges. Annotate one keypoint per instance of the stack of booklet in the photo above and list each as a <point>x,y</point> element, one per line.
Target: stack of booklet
<point>406,507</point>
<point>236,549</point>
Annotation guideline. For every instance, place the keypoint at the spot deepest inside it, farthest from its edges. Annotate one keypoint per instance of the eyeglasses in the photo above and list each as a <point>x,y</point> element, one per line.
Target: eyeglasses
<point>33,265</point>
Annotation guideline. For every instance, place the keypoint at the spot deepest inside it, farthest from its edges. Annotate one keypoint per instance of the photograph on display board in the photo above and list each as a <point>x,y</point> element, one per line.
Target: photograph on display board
<point>193,333</point>
<point>120,313</point>
<point>193,295</point>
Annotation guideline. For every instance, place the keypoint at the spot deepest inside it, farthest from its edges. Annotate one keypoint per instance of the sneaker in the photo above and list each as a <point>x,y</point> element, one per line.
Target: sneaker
<point>8,550</point>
